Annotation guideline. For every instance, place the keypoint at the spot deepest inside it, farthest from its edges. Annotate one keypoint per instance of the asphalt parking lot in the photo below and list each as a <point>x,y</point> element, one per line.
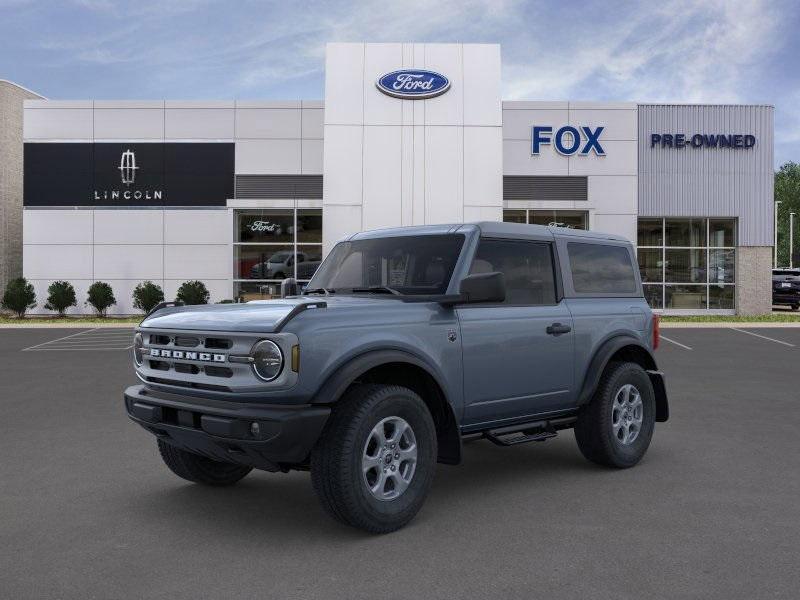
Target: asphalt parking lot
<point>87,509</point>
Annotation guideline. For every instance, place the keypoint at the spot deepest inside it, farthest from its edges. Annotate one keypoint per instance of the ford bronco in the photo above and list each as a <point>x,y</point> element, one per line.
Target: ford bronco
<point>406,342</point>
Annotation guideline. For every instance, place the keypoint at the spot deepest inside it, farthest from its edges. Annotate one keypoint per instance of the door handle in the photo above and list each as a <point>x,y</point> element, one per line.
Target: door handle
<point>558,329</point>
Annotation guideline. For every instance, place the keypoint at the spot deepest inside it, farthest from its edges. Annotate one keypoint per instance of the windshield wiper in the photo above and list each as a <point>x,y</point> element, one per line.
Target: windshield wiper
<point>320,290</point>
<point>376,289</point>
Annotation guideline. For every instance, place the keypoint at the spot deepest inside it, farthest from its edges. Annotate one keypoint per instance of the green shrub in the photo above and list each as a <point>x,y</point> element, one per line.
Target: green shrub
<point>19,297</point>
<point>60,296</point>
<point>101,297</point>
<point>147,295</point>
<point>193,292</point>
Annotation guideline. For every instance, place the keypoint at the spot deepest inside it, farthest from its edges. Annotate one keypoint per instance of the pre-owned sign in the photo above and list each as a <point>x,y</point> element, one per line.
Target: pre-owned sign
<point>128,174</point>
<point>702,140</point>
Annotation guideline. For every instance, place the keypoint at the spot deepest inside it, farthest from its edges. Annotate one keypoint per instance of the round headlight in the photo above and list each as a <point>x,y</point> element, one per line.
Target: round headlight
<point>138,344</point>
<point>267,360</point>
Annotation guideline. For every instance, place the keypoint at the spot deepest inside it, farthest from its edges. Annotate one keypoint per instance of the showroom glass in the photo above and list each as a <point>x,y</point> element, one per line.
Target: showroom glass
<point>526,266</point>
<point>574,219</point>
<point>688,264</point>
<point>420,264</point>
<point>601,269</point>
<point>273,244</point>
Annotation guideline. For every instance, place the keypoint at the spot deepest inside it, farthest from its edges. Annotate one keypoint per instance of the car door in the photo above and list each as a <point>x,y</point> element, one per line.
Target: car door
<point>517,355</point>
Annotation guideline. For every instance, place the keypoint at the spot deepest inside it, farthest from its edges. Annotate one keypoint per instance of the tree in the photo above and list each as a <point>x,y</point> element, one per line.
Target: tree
<point>787,191</point>
<point>147,295</point>
<point>19,296</point>
<point>193,292</point>
<point>101,297</point>
<point>60,296</point>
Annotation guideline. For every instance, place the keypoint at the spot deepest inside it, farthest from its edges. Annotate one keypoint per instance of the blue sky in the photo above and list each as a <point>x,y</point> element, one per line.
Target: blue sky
<point>665,50</point>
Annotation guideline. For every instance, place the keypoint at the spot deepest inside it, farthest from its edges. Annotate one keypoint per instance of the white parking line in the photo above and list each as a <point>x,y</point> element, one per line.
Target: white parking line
<point>91,339</point>
<point>684,346</point>
<point>763,337</point>
<point>58,340</point>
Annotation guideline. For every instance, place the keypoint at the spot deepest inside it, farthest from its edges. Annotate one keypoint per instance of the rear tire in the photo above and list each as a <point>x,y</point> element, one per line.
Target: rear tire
<point>373,466</point>
<point>616,427</point>
<point>199,469</point>
<point>795,306</point>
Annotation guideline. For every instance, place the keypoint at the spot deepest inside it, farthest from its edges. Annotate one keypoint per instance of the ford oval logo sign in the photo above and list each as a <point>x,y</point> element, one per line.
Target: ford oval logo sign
<point>413,84</point>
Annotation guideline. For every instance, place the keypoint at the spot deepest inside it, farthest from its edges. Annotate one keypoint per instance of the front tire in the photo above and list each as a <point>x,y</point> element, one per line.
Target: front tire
<point>199,469</point>
<point>374,463</point>
<point>616,427</point>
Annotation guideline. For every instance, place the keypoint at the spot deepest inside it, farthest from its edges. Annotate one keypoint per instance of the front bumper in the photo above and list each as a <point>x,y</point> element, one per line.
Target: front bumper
<point>786,297</point>
<point>223,430</point>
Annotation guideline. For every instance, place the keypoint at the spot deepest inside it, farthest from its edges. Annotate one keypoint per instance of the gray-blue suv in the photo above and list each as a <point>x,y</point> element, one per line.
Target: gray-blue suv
<point>406,342</point>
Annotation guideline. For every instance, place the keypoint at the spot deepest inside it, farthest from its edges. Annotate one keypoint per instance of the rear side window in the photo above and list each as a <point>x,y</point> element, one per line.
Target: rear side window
<point>527,267</point>
<point>601,269</point>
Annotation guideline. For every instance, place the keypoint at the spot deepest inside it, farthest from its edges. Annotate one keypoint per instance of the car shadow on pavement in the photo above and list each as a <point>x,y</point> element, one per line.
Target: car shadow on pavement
<point>284,506</point>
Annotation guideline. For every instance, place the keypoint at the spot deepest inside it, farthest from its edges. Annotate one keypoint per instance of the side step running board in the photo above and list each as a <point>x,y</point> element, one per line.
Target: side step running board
<point>520,437</point>
<point>537,431</point>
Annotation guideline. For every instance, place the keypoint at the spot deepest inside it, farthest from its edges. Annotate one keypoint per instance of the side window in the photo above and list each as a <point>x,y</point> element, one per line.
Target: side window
<point>601,269</point>
<point>527,266</point>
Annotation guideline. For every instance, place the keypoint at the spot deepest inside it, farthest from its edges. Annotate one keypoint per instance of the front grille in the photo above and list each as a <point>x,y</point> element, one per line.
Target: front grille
<point>186,342</point>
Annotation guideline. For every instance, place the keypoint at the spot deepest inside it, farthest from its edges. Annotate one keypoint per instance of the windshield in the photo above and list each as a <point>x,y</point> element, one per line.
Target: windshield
<point>420,264</point>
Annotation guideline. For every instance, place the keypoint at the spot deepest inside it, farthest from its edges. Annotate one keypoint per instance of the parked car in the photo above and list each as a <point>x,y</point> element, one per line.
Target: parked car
<point>281,265</point>
<point>405,342</point>
<point>786,288</point>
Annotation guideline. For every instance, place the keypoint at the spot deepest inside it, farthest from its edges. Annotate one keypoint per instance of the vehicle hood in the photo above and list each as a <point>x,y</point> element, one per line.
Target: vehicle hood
<point>261,316</point>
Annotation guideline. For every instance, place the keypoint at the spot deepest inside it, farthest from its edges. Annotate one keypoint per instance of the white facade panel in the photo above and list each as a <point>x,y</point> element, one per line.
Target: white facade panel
<point>57,227</point>
<point>268,157</point>
<point>198,226</point>
<point>313,123</point>
<point>517,160</point>
<point>444,174</point>
<point>517,124</point>
<point>382,177</point>
<point>199,123</point>
<point>312,157</point>
<point>481,101</point>
<point>268,123</point>
<point>128,226</point>
<point>620,159</point>
<point>340,220</point>
<point>198,261</point>
<point>483,213</point>
<point>64,261</point>
<point>342,183</point>
<point>124,261</point>
<point>380,109</point>
<point>447,109</point>
<point>617,124</point>
<point>344,84</point>
<point>614,194</point>
<point>58,124</point>
<point>128,124</point>
<point>483,166</point>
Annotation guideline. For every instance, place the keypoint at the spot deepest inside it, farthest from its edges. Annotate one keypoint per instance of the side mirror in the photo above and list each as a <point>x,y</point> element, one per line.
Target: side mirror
<point>483,287</point>
<point>288,287</point>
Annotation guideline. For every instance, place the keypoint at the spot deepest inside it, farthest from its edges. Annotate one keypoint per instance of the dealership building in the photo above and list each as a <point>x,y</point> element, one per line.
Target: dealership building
<point>240,194</point>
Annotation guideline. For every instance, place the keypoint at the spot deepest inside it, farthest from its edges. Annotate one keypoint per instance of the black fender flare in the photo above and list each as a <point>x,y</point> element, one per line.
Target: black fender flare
<point>645,357</point>
<point>448,430</point>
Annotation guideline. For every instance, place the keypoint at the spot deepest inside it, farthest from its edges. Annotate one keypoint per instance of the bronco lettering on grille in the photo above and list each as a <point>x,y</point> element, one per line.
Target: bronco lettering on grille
<point>182,354</point>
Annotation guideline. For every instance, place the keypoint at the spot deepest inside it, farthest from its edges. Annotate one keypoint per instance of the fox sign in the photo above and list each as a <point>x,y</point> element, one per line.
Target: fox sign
<point>568,140</point>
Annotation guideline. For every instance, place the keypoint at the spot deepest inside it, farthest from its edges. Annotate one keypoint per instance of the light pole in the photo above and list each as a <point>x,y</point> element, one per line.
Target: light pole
<point>777,202</point>
<point>791,238</point>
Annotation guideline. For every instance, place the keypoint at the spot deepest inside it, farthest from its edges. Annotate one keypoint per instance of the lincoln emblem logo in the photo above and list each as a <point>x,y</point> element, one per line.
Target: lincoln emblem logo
<point>127,167</point>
